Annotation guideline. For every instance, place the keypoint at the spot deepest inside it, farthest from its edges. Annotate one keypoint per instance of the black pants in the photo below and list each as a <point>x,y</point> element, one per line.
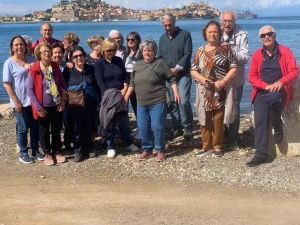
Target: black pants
<point>68,130</point>
<point>53,118</point>
<point>263,113</point>
<point>133,102</point>
<point>82,126</point>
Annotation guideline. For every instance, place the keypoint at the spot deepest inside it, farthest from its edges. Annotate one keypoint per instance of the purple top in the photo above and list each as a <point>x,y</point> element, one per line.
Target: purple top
<point>47,98</point>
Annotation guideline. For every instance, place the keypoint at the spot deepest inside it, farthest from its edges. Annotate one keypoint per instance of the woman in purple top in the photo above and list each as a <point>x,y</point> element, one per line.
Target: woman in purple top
<point>45,89</point>
<point>15,76</point>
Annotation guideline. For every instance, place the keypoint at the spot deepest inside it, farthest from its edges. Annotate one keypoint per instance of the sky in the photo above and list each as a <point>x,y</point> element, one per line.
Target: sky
<point>261,7</point>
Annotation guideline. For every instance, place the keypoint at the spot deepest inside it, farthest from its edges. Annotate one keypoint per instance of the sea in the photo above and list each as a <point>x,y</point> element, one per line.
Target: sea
<point>287,31</point>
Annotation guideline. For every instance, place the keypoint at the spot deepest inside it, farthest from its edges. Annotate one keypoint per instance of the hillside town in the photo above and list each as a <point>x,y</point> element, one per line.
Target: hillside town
<point>97,10</point>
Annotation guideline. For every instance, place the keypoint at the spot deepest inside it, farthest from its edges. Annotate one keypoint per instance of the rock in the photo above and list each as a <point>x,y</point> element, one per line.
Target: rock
<point>290,146</point>
<point>6,111</point>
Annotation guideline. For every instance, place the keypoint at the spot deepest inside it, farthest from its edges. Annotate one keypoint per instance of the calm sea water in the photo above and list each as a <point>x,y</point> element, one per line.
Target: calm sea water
<point>287,29</point>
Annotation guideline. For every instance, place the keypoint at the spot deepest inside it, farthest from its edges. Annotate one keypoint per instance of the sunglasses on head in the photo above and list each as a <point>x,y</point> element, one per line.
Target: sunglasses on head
<point>269,34</point>
<point>111,50</point>
<point>130,39</point>
<point>78,56</point>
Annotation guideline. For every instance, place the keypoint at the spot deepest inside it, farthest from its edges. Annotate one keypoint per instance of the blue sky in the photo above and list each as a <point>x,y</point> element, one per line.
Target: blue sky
<point>262,7</point>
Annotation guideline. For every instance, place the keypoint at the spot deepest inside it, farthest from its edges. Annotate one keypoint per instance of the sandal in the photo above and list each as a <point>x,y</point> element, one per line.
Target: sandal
<point>203,152</point>
<point>218,153</point>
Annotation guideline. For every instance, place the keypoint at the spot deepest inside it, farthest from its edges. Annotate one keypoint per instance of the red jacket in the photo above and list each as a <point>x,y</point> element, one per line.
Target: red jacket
<point>289,69</point>
<point>37,77</point>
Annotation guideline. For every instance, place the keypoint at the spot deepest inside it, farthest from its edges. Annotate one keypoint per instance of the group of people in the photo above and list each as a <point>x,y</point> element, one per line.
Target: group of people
<point>40,89</point>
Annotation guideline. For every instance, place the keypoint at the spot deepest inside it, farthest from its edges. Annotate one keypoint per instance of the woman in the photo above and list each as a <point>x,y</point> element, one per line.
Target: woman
<point>213,69</point>
<point>132,55</point>
<point>148,81</point>
<point>94,42</point>
<point>111,74</point>
<point>45,85</point>
<point>15,78</point>
<point>28,41</point>
<point>57,55</point>
<point>82,76</point>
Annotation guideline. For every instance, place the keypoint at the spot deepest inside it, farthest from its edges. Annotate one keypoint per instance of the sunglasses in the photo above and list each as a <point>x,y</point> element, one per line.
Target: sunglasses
<point>78,56</point>
<point>130,39</point>
<point>264,35</point>
<point>111,50</point>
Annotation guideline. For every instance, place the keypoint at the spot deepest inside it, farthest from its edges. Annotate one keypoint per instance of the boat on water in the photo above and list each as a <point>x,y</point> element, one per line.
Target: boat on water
<point>246,15</point>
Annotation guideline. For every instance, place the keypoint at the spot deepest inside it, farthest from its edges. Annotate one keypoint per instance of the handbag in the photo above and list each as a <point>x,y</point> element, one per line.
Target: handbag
<point>76,97</point>
<point>169,102</point>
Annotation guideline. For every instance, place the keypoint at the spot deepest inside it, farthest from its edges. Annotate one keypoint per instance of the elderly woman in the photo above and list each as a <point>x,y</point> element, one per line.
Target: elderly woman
<point>148,81</point>
<point>111,74</point>
<point>28,41</point>
<point>118,37</point>
<point>45,85</point>
<point>94,42</point>
<point>82,76</point>
<point>213,69</point>
<point>15,78</point>
<point>132,55</point>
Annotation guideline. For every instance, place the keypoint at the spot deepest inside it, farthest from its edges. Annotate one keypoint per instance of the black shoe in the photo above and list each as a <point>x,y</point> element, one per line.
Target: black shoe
<point>187,134</point>
<point>218,153</point>
<point>78,157</point>
<point>256,161</point>
<point>92,154</point>
<point>278,136</point>
<point>177,132</point>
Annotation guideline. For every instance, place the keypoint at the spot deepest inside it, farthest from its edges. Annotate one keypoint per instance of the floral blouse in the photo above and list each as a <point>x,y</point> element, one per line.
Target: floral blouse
<point>214,65</point>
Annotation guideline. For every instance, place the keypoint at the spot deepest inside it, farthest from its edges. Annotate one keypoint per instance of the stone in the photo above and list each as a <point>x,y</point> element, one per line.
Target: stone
<point>290,145</point>
<point>6,111</point>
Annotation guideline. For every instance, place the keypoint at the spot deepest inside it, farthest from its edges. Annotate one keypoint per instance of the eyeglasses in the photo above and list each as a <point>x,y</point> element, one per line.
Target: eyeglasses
<point>130,39</point>
<point>117,38</point>
<point>111,50</point>
<point>269,34</point>
<point>78,56</point>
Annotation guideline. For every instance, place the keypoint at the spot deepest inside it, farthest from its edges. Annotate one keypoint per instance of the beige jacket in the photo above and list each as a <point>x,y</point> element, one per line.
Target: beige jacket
<point>230,105</point>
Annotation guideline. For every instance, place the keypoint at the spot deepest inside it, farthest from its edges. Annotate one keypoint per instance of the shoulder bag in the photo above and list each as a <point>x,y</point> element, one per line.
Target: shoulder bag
<point>76,97</point>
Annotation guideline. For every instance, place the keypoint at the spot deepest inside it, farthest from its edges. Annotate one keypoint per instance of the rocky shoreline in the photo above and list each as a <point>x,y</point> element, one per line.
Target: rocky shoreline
<point>281,175</point>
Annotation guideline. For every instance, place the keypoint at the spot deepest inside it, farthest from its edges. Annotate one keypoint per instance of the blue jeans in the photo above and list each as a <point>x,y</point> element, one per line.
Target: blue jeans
<point>232,130</point>
<point>182,115</point>
<point>152,117</point>
<point>26,121</point>
<point>125,131</point>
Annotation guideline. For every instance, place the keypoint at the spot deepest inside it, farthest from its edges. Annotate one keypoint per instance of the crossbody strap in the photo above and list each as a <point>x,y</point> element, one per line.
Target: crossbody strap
<point>163,83</point>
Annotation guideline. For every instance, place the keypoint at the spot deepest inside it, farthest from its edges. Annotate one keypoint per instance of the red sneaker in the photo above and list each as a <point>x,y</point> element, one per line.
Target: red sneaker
<point>145,155</point>
<point>59,157</point>
<point>48,160</point>
<point>160,156</point>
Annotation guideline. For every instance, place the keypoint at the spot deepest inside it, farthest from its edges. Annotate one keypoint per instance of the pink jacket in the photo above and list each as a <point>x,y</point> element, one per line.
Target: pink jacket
<point>289,69</point>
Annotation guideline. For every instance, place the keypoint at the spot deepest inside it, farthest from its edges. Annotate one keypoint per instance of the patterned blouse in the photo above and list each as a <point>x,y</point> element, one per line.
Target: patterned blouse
<point>214,65</point>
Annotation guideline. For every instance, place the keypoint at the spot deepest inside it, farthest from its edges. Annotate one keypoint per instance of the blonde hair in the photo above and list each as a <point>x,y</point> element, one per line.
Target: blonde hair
<point>94,40</point>
<point>37,49</point>
<point>108,43</point>
<point>72,37</point>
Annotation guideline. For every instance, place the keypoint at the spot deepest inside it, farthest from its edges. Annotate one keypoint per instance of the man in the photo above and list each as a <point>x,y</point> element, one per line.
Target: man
<point>46,32</point>
<point>236,37</point>
<point>272,73</point>
<point>175,47</point>
<point>118,37</point>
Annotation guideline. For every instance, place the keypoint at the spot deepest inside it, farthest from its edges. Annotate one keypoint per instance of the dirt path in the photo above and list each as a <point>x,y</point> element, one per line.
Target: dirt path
<point>46,201</point>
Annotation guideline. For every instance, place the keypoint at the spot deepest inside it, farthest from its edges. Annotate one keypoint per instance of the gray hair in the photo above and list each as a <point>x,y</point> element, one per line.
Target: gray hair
<point>168,16</point>
<point>115,32</point>
<point>27,39</point>
<point>149,43</point>
<point>228,11</point>
<point>272,29</point>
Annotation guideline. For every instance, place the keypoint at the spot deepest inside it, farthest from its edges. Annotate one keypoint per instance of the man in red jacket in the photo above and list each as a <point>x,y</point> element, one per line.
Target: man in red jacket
<point>272,73</point>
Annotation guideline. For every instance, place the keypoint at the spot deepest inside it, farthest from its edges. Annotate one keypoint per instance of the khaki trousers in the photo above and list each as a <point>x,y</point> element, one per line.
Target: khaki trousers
<point>210,139</point>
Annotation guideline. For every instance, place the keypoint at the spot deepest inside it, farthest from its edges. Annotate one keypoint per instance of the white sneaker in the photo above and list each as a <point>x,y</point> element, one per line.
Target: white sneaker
<point>137,136</point>
<point>111,153</point>
<point>134,133</point>
<point>132,148</point>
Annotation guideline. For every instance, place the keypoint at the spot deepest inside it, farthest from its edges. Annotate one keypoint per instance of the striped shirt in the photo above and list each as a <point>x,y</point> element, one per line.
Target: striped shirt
<point>177,51</point>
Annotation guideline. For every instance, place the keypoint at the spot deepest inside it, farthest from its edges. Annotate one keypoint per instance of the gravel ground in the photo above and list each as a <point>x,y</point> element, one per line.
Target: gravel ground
<point>281,175</point>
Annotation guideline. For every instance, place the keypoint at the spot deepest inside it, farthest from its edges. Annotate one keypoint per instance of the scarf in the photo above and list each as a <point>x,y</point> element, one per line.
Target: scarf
<point>51,87</point>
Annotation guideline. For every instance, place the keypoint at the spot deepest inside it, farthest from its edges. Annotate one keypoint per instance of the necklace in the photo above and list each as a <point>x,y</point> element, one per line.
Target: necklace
<point>20,62</point>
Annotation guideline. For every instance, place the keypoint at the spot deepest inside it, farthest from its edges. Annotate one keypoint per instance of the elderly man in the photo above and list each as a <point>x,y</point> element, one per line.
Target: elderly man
<point>236,37</point>
<point>46,32</point>
<point>272,74</point>
<point>118,37</point>
<point>175,47</point>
